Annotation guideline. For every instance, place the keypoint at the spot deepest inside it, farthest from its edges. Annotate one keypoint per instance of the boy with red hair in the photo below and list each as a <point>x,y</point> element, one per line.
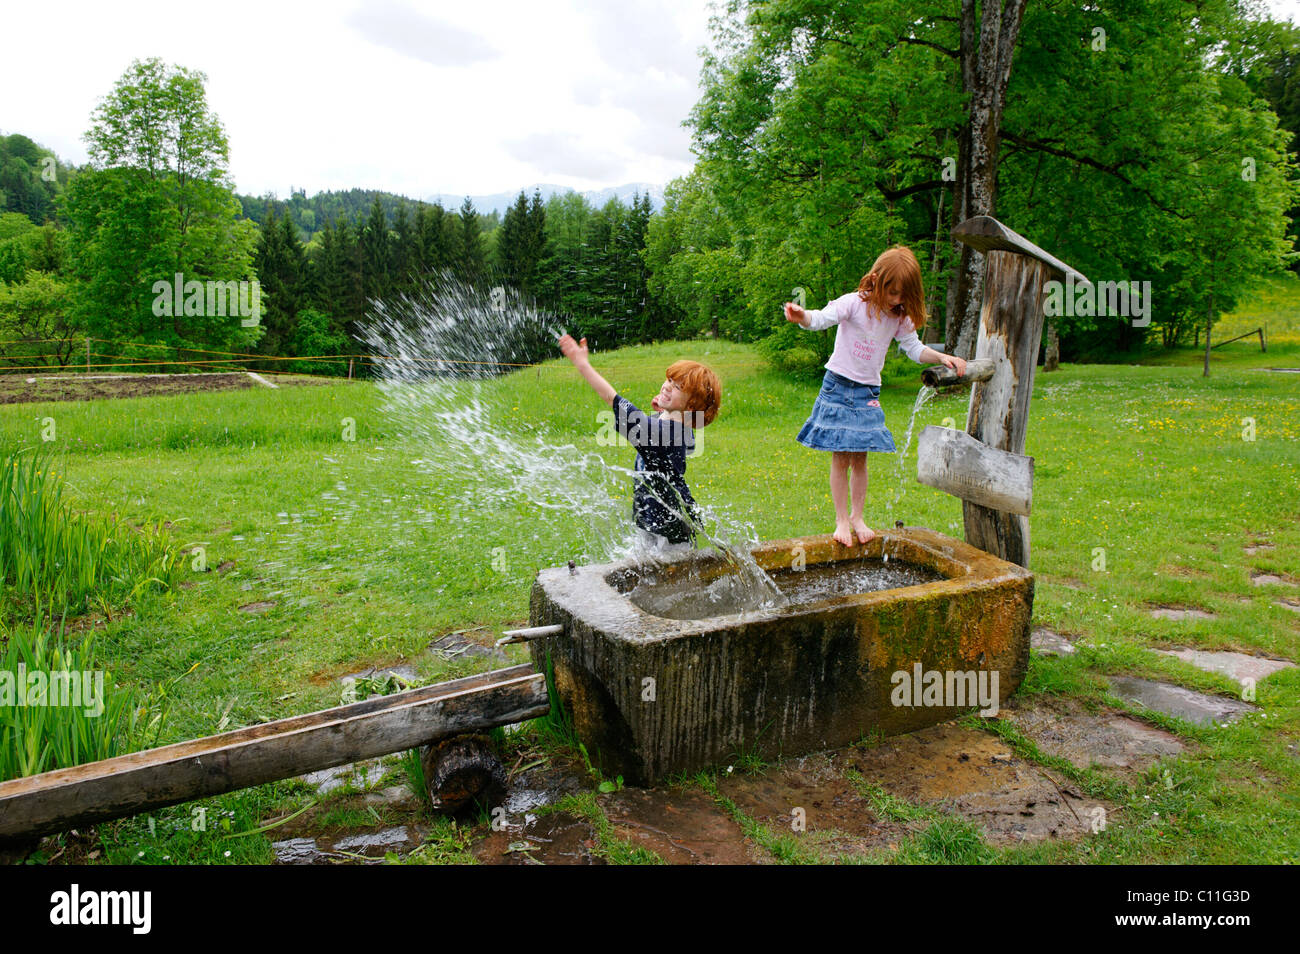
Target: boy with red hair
<point>690,397</point>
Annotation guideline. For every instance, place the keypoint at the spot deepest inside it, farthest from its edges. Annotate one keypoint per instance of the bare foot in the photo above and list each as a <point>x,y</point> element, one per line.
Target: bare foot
<point>844,533</point>
<point>865,533</point>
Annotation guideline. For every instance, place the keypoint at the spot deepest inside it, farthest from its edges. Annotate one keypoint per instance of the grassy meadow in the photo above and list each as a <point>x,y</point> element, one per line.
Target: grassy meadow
<point>317,545</point>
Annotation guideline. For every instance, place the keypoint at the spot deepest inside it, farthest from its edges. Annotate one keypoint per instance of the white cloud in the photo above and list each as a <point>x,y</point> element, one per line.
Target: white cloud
<point>396,26</point>
<point>415,96</point>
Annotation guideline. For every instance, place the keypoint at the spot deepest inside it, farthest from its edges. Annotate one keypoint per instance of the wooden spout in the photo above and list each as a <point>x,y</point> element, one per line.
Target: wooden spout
<point>977,369</point>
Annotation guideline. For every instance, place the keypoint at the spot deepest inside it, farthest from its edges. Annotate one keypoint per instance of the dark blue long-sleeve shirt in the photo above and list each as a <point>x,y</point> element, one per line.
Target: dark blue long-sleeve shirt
<point>659,496</point>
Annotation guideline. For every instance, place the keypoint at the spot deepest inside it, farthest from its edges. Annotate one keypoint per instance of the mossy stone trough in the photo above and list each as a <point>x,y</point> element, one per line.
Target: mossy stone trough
<point>652,697</point>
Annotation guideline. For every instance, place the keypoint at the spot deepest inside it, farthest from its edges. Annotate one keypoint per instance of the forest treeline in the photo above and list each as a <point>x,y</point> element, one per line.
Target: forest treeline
<point>1150,142</point>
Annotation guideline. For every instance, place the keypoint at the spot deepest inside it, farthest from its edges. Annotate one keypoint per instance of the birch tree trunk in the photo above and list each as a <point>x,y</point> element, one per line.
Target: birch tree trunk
<point>985,71</point>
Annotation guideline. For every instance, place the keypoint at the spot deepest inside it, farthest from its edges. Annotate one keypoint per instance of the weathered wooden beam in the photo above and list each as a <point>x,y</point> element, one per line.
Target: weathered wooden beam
<point>986,234</point>
<point>955,462</point>
<point>130,784</point>
<point>1016,272</point>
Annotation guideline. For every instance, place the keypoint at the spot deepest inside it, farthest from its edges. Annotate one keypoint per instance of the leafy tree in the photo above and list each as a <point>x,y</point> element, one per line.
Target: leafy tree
<point>316,334</point>
<point>37,310</point>
<point>157,202</point>
<point>828,131</point>
<point>31,179</point>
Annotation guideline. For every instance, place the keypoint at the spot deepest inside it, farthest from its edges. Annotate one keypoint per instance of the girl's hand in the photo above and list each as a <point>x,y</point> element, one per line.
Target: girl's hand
<point>954,362</point>
<point>575,351</point>
<point>795,313</point>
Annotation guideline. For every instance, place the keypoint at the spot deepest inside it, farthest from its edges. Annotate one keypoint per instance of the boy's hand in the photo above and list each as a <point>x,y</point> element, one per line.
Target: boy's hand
<point>954,362</point>
<point>795,313</point>
<point>575,351</point>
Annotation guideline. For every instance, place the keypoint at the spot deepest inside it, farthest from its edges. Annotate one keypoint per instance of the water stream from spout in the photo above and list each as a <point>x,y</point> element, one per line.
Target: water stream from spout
<point>922,398</point>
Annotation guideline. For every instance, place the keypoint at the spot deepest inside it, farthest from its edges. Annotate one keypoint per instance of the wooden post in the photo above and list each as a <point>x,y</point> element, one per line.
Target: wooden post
<point>1016,272</point>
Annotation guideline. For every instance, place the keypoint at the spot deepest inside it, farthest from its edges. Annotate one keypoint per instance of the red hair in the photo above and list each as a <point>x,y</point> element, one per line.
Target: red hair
<point>896,269</point>
<point>702,387</point>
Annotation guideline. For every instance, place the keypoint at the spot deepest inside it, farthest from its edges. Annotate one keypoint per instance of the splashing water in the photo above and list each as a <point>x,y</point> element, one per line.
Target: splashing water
<point>922,398</point>
<point>440,349</point>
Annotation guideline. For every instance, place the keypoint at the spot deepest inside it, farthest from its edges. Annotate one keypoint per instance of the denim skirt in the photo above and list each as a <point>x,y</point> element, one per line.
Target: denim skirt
<point>847,417</point>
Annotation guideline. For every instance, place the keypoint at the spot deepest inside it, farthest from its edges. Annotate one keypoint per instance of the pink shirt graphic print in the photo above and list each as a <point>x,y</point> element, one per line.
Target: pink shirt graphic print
<point>862,337</point>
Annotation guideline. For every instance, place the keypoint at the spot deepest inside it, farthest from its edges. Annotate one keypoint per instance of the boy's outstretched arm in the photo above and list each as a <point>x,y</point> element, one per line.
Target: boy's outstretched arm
<point>576,352</point>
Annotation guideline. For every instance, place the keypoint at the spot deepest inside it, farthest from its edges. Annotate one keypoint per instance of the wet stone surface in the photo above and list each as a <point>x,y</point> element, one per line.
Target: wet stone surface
<point>682,827</point>
<point>1269,579</point>
<point>1049,643</point>
<point>359,775</point>
<point>527,834</point>
<point>558,838</point>
<point>1108,739</point>
<point>346,848</point>
<point>1180,613</point>
<point>977,776</point>
<point>1236,666</point>
<point>1195,707</point>
<point>376,844</point>
<point>817,784</point>
<point>462,643</point>
<point>403,674</point>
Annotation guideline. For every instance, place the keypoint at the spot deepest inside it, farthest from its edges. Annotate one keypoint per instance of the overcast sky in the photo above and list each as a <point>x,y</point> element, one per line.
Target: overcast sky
<point>411,96</point>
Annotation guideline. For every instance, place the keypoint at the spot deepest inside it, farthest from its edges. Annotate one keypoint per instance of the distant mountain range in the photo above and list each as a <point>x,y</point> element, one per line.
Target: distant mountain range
<point>500,201</point>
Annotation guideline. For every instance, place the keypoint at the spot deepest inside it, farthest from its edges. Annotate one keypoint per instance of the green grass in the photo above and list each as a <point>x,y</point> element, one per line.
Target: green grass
<point>1146,490</point>
<point>1273,304</point>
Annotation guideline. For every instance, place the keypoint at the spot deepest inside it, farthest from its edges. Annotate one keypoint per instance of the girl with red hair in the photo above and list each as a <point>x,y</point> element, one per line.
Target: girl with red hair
<point>888,305</point>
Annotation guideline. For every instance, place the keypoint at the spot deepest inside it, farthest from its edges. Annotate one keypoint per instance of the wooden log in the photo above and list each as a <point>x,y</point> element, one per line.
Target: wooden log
<point>955,462</point>
<point>1016,272</point>
<point>939,376</point>
<point>130,784</point>
<point>1011,327</point>
<point>462,770</point>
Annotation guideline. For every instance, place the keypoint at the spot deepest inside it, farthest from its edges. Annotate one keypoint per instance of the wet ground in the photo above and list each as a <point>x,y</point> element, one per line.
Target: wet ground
<point>854,803</point>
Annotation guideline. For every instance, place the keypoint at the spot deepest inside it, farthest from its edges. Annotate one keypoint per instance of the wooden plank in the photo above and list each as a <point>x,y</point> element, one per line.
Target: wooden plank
<point>986,234</point>
<point>130,784</point>
<point>955,462</point>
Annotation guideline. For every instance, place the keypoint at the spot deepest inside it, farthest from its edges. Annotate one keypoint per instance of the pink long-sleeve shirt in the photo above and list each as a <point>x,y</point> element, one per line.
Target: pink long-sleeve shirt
<point>863,336</point>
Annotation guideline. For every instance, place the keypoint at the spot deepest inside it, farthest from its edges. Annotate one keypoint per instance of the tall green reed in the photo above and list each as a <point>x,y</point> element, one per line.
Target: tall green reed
<point>51,554</point>
<point>41,728</point>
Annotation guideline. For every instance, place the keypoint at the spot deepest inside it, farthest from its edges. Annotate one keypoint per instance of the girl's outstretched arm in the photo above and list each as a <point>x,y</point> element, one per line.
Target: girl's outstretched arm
<point>576,352</point>
<point>930,356</point>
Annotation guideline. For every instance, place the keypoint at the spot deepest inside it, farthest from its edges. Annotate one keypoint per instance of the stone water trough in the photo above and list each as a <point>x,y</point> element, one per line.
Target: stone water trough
<point>652,696</point>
